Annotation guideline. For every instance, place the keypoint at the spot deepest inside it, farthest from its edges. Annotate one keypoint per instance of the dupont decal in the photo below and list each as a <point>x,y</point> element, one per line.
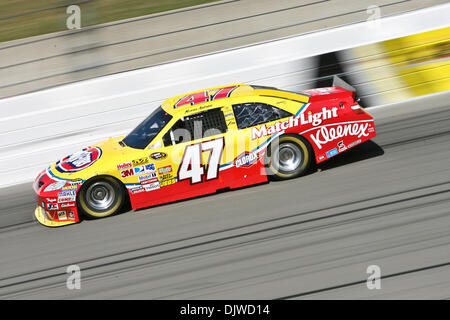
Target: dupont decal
<point>324,134</point>
<point>246,159</point>
<point>314,119</point>
<point>79,160</point>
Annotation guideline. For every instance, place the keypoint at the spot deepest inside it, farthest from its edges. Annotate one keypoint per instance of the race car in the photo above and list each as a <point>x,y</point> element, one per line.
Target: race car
<point>198,143</point>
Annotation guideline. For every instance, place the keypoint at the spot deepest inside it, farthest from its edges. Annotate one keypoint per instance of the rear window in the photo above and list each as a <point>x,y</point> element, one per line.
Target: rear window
<point>255,113</point>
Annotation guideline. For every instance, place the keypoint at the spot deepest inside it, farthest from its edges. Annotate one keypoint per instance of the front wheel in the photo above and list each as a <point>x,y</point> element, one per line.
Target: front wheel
<point>288,157</point>
<point>101,197</point>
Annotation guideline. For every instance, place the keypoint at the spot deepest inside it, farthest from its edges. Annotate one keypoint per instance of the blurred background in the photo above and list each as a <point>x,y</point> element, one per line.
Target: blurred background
<point>38,51</point>
<point>73,73</point>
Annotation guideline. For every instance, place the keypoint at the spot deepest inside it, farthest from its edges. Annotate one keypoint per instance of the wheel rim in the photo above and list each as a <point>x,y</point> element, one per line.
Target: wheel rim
<point>100,195</point>
<point>288,158</point>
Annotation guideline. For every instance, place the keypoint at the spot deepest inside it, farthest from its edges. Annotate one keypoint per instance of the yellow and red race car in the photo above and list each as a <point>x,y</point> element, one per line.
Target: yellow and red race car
<point>219,138</point>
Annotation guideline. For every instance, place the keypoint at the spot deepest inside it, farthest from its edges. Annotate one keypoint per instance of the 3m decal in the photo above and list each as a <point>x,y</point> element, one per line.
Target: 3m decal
<point>127,173</point>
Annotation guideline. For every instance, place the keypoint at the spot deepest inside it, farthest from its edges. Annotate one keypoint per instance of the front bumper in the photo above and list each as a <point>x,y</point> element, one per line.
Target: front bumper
<point>49,219</point>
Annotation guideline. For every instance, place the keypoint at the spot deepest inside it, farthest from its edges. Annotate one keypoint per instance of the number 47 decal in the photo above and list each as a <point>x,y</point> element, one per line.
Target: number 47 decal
<point>191,164</point>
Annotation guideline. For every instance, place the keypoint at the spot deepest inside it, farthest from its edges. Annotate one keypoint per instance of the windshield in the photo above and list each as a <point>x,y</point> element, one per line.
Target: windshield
<point>144,133</point>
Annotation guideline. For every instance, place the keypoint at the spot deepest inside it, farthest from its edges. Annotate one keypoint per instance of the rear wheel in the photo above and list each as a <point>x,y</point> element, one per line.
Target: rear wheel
<point>101,197</point>
<point>288,157</point>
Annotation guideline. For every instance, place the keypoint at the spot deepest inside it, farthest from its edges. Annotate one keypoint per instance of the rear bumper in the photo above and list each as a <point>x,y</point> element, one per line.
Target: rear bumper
<point>49,219</point>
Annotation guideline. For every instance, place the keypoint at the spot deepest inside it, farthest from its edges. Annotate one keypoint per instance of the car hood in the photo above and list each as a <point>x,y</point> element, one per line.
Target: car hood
<point>90,161</point>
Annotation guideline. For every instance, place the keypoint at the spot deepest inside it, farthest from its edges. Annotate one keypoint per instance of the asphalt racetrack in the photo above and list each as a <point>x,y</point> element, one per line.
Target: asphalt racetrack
<point>384,203</point>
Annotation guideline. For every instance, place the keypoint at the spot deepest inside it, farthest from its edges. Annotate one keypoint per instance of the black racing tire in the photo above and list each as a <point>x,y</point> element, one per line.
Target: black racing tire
<point>101,197</point>
<point>288,157</point>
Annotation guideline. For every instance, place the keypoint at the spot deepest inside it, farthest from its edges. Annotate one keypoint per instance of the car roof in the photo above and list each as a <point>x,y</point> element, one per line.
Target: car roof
<point>185,104</point>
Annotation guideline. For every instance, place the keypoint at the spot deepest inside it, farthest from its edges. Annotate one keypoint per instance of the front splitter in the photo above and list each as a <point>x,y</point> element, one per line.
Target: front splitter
<point>44,219</point>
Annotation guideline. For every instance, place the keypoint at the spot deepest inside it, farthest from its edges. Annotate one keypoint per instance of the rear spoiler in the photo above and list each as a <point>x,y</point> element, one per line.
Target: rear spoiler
<point>338,82</point>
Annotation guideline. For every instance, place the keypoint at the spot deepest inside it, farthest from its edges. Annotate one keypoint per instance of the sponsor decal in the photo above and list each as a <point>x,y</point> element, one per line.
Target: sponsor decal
<point>71,215</point>
<point>314,119</point>
<point>67,205</point>
<point>164,170</point>
<point>74,187</point>
<point>124,166</point>
<point>137,190</point>
<point>79,160</point>
<point>62,215</point>
<point>168,182</point>
<point>332,153</point>
<point>147,178</point>
<point>43,204</point>
<point>165,176</point>
<point>151,186</point>
<point>127,173</point>
<point>139,162</point>
<point>354,143</point>
<point>325,134</point>
<point>246,159</point>
<point>66,196</point>
<point>52,206</point>
<point>148,168</point>
<point>76,182</point>
<point>50,200</point>
<point>158,155</point>
<point>341,146</point>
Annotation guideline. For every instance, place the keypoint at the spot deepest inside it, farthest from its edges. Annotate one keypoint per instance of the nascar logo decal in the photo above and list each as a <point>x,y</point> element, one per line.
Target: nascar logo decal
<point>79,160</point>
